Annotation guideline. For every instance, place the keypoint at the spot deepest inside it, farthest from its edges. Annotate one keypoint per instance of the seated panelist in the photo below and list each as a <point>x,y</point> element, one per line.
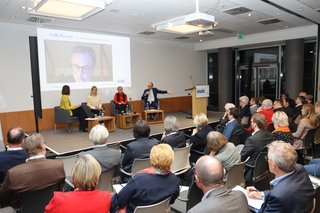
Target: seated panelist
<point>150,96</point>
<point>120,100</point>
<point>94,101</point>
<point>75,110</point>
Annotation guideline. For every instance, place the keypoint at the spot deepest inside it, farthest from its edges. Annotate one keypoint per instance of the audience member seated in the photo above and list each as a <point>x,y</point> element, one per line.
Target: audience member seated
<point>140,148</point>
<point>291,102</point>
<point>292,190</point>
<point>150,185</point>
<point>300,100</point>
<point>317,111</point>
<point>281,128</point>
<point>278,106</point>
<point>233,126</point>
<point>85,198</point>
<point>75,110</point>
<point>220,148</point>
<point>171,134</point>
<point>288,110</point>
<point>150,96</point>
<point>209,176</point>
<point>267,111</point>
<point>224,120</point>
<point>307,122</point>
<point>255,144</point>
<point>120,100</point>
<point>303,94</point>
<point>198,138</point>
<point>15,154</point>
<point>309,99</point>
<point>253,105</point>
<point>108,158</point>
<point>313,168</point>
<point>244,107</point>
<point>260,100</point>
<point>37,173</point>
<point>94,101</point>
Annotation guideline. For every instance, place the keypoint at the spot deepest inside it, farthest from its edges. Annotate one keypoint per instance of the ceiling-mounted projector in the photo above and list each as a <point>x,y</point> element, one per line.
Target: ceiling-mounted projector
<point>199,19</point>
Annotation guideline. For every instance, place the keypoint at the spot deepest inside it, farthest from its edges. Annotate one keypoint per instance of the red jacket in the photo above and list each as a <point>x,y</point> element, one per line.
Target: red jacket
<point>122,98</point>
<point>80,202</point>
<point>268,113</point>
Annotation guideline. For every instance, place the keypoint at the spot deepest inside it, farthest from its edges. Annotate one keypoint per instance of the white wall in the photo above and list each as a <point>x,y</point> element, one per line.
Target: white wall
<point>168,64</point>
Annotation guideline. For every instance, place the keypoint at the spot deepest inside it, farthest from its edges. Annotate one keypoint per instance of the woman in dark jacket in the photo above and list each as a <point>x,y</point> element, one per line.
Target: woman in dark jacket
<point>172,136</point>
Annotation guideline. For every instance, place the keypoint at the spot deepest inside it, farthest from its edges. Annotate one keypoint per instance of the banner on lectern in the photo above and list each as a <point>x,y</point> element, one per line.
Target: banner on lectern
<point>202,91</point>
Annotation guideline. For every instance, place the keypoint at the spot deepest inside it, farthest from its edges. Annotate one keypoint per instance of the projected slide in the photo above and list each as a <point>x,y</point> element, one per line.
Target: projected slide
<point>82,60</point>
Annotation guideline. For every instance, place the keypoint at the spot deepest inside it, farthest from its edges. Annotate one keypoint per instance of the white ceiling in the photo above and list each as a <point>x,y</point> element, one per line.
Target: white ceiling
<point>130,17</point>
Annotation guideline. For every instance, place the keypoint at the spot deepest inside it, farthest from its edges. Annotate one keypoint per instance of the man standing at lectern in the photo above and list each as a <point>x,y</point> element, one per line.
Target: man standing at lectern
<point>150,96</point>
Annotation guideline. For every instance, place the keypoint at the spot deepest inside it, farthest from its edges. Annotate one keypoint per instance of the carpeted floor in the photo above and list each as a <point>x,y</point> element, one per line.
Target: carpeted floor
<point>61,142</point>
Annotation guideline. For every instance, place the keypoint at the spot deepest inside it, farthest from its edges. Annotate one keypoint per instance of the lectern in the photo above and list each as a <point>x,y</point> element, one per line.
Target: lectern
<point>200,94</point>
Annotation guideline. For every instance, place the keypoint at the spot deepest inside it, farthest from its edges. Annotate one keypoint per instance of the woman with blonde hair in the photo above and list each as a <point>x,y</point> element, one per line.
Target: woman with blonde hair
<point>281,131</point>
<point>94,101</point>
<point>85,178</point>
<point>150,185</point>
<point>224,151</point>
<point>198,138</point>
<point>308,122</point>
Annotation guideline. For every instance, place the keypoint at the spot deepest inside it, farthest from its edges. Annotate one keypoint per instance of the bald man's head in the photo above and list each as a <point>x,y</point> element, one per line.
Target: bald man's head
<point>209,170</point>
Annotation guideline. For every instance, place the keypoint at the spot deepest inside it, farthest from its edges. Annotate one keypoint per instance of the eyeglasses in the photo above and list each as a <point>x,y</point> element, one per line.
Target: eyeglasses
<point>84,69</point>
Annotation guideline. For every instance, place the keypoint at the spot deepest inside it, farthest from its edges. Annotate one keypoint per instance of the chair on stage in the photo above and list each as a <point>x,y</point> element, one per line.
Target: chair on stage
<point>161,207</point>
<point>63,116</point>
<point>137,165</point>
<point>113,108</point>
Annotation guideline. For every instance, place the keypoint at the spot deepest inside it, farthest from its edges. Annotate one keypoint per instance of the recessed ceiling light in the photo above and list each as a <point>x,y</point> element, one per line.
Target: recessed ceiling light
<point>300,9</point>
<point>200,40</point>
<point>311,51</point>
<point>24,7</point>
<point>249,14</point>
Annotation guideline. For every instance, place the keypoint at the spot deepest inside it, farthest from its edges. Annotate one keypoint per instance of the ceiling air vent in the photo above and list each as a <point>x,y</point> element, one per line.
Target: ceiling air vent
<point>223,30</point>
<point>206,33</point>
<point>269,21</point>
<point>182,37</point>
<point>237,10</point>
<point>39,20</point>
<point>147,33</point>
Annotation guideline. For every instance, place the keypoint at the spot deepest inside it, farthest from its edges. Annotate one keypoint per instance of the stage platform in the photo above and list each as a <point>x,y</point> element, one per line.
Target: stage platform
<point>60,142</point>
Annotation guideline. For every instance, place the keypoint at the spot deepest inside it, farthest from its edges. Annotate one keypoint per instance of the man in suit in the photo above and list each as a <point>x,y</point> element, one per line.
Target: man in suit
<point>140,148</point>
<point>37,173</point>
<point>209,175</point>
<point>150,96</point>
<point>292,190</point>
<point>255,144</point>
<point>108,158</point>
<point>14,155</point>
<point>233,126</point>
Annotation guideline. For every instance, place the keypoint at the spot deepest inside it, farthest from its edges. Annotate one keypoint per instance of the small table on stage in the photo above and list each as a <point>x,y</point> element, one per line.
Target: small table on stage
<point>153,116</point>
<point>127,121</point>
<point>108,121</point>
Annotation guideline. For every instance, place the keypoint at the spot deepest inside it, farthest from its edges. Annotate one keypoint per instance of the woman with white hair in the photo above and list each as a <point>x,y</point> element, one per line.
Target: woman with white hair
<point>108,158</point>
<point>267,111</point>
<point>171,135</point>
<point>244,107</point>
<point>281,127</point>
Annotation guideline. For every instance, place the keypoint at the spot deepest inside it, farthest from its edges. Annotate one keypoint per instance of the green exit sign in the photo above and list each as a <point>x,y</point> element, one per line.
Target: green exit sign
<point>240,36</point>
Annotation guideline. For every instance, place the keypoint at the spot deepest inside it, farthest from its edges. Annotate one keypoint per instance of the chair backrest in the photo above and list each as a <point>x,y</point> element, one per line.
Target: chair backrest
<point>261,175</point>
<point>309,139</point>
<point>235,139</point>
<point>115,146</point>
<point>317,200</point>
<point>194,195</point>
<point>161,207</point>
<point>86,108</point>
<point>239,147</point>
<point>235,175</point>
<point>113,110</point>
<point>139,164</point>
<point>61,115</point>
<point>181,159</point>
<point>68,163</point>
<point>317,136</point>
<point>106,180</point>
<point>36,201</point>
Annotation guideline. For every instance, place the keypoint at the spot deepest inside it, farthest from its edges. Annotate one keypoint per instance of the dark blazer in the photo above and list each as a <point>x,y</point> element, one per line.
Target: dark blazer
<point>138,149</point>
<point>10,159</point>
<point>107,157</point>
<point>232,128</point>
<point>297,111</point>
<point>155,94</point>
<point>254,145</point>
<point>175,139</point>
<point>199,140</point>
<point>145,189</point>
<point>31,176</point>
<point>222,200</point>
<point>245,112</point>
<point>292,194</point>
